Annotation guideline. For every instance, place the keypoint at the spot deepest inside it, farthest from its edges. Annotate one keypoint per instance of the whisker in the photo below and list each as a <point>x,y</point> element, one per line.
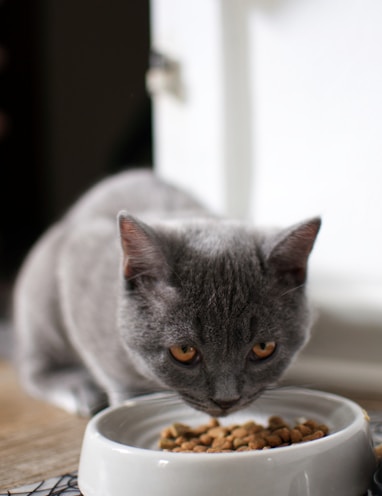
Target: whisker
<point>292,290</point>
<point>140,274</point>
<point>153,394</point>
<point>285,387</point>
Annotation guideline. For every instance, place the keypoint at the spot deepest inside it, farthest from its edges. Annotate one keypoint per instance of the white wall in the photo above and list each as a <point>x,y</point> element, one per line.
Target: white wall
<point>317,79</point>
<point>188,123</point>
<point>281,119</point>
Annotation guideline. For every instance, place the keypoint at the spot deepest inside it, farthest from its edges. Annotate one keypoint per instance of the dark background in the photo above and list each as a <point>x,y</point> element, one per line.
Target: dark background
<point>73,108</point>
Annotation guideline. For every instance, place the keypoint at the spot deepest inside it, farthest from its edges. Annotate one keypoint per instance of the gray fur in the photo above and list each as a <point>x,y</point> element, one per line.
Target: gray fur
<point>98,303</point>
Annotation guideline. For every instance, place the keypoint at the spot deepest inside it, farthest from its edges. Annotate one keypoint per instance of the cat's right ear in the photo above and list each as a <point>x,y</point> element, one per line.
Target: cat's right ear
<point>142,255</point>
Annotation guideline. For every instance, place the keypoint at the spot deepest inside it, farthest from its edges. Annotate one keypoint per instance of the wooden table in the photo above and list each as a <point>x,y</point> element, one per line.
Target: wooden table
<point>37,440</point>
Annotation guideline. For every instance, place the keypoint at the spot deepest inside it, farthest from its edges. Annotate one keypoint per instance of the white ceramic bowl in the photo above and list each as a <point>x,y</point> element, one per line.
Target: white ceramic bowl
<point>120,455</point>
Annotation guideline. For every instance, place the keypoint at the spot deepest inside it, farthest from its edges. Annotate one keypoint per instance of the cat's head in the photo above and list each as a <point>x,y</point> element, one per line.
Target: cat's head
<point>214,310</point>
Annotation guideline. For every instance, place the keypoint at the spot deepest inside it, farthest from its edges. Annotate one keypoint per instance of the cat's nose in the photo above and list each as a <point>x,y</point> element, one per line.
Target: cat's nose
<point>226,404</point>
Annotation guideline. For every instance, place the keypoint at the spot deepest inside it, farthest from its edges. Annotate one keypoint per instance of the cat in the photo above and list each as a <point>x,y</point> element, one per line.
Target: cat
<point>139,288</point>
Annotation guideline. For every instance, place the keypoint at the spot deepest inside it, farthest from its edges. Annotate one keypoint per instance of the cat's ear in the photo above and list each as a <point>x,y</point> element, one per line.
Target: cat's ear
<point>142,255</point>
<point>289,255</point>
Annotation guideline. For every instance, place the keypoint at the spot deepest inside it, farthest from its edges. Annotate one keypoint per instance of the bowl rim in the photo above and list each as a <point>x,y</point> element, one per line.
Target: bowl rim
<point>360,417</point>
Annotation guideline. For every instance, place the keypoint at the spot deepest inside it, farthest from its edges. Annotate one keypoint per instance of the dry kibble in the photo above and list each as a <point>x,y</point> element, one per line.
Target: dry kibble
<point>295,436</point>
<point>180,440</point>
<point>276,422</point>
<point>273,440</point>
<point>251,437</point>
<point>258,444</point>
<point>206,439</point>
<point>304,429</point>
<point>250,426</point>
<point>244,448</point>
<point>217,432</point>
<point>240,432</point>
<point>189,445</point>
<point>239,441</point>
<point>324,428</point>
<point>214,422</point>
<point>222,444</point>
<point>312,437</point>
<point>284,433</point>
<point>256,428</point>
<point>201,429</point>
<point>178,429</point>
<point>167,444</point>
<point>200,449</point>
<point>312,424</point>
<point>215,438</point>
<point>166,433</point>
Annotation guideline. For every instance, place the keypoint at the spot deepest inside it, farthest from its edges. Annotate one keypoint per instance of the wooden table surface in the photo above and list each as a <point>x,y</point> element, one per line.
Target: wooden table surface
<point>37,440</point>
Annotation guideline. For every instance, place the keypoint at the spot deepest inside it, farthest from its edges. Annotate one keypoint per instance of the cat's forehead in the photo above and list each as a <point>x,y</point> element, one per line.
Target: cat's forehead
<point>217,253</point>
<point>210,238</point>
<point>220,283</point>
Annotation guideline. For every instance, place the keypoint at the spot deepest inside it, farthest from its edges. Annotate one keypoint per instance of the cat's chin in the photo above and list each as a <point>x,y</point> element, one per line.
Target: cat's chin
<point>221,412</point>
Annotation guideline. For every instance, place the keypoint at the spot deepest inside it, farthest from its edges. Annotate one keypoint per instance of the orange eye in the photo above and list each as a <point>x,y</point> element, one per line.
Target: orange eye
<point>184,354</point>
<point>264,350</point>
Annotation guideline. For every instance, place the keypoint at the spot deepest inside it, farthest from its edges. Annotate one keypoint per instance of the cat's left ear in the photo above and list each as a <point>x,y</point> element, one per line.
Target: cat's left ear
<point>142,255</point>
<point>290,253</point>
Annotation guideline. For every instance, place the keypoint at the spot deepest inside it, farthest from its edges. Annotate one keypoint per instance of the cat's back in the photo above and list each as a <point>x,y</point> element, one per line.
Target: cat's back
<point>88,231</point>
<point>140,192</point>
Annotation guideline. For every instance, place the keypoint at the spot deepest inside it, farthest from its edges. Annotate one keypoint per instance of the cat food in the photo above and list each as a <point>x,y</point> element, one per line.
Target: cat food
<point>216,438</point>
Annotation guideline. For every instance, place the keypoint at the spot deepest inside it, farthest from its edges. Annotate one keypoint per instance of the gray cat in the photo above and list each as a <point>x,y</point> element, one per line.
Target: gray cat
<point>169,297</point>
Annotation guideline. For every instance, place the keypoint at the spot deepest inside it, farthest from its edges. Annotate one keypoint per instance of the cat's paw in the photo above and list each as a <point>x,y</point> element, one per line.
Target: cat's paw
<point>72,389</point>
<point>81,399</point>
